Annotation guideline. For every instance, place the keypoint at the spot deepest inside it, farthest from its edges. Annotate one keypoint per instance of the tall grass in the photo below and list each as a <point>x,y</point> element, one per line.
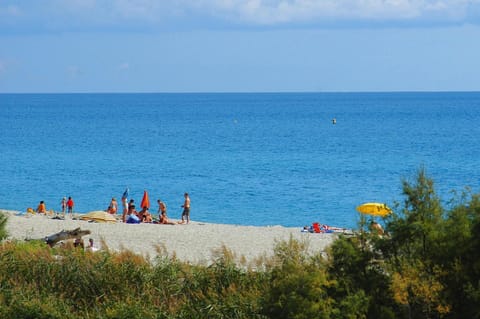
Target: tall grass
<point>39,282</point>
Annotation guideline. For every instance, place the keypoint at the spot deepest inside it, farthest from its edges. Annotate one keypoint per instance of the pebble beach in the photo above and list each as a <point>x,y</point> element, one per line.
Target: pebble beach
<point>196,242</point>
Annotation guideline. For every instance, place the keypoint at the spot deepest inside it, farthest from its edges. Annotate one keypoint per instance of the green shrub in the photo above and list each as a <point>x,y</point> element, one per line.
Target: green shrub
<point>3,225</point>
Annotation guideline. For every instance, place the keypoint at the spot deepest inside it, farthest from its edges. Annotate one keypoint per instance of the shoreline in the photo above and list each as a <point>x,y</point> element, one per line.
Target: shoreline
<point>197,242</point>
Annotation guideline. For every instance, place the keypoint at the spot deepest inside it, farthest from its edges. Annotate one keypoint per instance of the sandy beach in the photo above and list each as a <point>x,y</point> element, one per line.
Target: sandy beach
<point>196,242</point>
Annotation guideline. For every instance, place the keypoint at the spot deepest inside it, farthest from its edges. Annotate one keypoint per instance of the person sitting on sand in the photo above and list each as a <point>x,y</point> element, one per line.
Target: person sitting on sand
<point>78,243</point>
<point>131,203</point>
<point>90,246</point>
<point>141,212</point>
<point>42,209</point>
<point>145,215</point>
<point>131,210</point>
<point>164,219</point>
<point>162,207</point>
<point>132,217</point>
<point>147,218</point>
<point>113,206</point>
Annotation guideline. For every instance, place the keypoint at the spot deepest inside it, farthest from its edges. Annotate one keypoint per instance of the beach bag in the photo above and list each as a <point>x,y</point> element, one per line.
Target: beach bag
<point>132,219</point>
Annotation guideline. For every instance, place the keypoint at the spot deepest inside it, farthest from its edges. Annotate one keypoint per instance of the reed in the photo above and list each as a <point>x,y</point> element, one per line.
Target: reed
<point>70,283</point>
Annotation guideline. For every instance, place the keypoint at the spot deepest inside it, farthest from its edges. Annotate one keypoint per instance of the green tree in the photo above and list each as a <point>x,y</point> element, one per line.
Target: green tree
<point>413,248</point>
<point>417,230</point>
<point>460,257</point>
<point>362,289</point>
<point>298,285</point>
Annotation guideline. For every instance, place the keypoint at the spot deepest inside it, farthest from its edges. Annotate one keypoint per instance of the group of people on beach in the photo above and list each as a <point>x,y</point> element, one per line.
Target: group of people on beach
<point>129,214</point>
<point>66,205</point>
<point>132,216</point>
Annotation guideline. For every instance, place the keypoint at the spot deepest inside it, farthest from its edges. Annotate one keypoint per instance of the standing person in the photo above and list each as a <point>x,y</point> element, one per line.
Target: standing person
<point>186,209</point>
<point>125,208</point>
<point>125,205</point>
<point>63,203</point>
<point>113,206</point>
<point>70,205</point>
<point>162,208</point>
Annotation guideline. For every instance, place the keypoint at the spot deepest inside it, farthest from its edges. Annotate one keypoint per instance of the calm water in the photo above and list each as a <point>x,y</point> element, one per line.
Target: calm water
<point>255,159</point>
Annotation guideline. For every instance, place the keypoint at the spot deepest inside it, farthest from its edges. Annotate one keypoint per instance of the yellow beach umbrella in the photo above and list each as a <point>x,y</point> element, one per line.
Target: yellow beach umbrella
<point>374,209</point>
<point>99,216</point>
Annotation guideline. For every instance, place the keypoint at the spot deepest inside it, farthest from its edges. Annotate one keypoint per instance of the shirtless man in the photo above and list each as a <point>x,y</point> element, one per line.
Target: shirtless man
<point>186,209</point>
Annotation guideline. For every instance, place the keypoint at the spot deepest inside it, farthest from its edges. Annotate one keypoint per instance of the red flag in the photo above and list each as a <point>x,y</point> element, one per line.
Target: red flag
<point>145,200</point>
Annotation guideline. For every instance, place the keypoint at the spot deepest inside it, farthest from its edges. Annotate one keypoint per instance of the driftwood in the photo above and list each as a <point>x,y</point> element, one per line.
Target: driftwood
<point>77,233</point>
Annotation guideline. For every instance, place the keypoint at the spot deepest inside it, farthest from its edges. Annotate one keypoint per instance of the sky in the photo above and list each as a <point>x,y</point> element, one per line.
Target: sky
<point>62,46</point>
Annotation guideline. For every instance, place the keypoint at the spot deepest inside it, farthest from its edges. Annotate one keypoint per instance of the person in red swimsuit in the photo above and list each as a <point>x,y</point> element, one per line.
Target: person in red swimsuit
<point>70,205</point>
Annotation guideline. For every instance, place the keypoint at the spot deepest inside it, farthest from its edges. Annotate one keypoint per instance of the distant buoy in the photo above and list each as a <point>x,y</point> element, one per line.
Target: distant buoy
<point>334,121</point>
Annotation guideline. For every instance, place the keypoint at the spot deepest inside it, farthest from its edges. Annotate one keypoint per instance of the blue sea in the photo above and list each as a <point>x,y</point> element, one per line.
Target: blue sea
<point>249,159</point>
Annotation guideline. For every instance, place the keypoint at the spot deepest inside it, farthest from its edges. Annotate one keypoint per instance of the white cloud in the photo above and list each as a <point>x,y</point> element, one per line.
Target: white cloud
<point>273,12</point>
<point>153,14</point>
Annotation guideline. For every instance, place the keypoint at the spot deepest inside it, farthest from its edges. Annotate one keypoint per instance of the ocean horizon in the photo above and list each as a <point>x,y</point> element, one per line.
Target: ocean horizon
<point>245,158</point>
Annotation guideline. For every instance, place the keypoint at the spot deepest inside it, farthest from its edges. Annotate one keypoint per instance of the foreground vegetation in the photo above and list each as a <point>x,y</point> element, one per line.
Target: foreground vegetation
<point>428,266</point>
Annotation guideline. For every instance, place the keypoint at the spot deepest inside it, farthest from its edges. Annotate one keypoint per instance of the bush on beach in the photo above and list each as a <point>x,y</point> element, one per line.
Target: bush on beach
<point>427,266</point>
<point>3,224</point>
